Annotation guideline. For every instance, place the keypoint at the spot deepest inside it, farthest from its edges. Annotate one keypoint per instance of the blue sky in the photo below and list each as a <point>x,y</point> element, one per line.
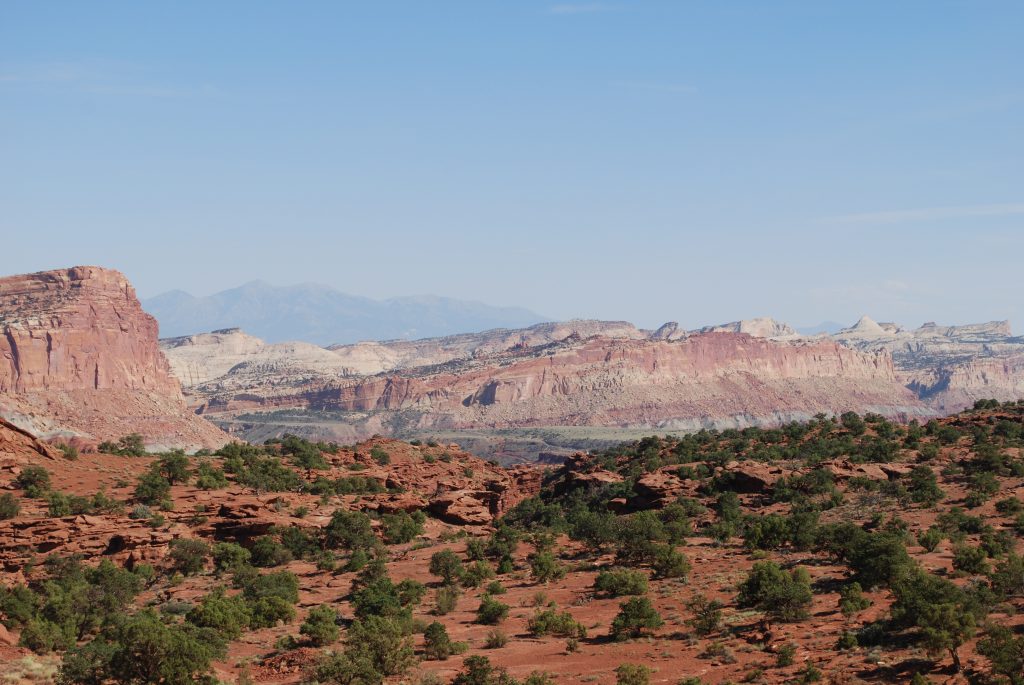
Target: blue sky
<point>694,161</point>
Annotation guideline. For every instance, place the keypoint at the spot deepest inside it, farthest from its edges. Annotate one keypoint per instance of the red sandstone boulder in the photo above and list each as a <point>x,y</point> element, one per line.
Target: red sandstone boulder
<point>753,477</point>
<point>843,469</point>
<point>659,488</point>
<point>17,445</point>
<point>463,507</point>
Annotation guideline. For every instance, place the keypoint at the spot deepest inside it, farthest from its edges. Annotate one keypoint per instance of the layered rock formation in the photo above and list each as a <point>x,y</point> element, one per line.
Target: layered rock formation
<point>79,357</point>
<point>377,357</point>
<point>712,379</point>
<point>948,367</point>
<point>594,374</point>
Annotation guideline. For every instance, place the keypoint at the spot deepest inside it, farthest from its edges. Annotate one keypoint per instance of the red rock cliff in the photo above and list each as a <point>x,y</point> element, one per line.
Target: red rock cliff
<point>79,357</point>
<point>75,329</point>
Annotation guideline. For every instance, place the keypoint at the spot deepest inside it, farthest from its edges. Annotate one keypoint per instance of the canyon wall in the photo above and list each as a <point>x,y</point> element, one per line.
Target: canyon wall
<point>706,379</point>
<point>80,359</point>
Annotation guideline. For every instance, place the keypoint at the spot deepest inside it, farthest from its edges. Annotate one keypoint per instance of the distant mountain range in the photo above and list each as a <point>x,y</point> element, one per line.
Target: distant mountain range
<point>322,315</point>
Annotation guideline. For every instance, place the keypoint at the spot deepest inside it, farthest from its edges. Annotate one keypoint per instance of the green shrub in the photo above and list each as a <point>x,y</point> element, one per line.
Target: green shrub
<point>479,671</point>
<point>173,466</point>
<point>970,559</point>
<point>620,582</point>
<point>447,597</point>
<point>380,456</point>
<point>267,611</point>
<point>636,615</point>
<point>930,539</point>
<point>281,584</point>
<point>188,556</point>
<point>401,527</point>
<point>349,530</point>
<point>545,567</point>
<point>491,611</point>
<point>267,552</point>
<point>924,486</point>
<point>229,556</point>
<point>383,642</point>
<point>944,615</point>
<point>785,656</point>
<point>59,504</point>
<point>141,648</point>
<point>229,616</point>
<point>437,644</point>
<point>495,639</point>
<point>1010,506</point>
<point>299,543</point>
<point>263,474</point>
<point>446,565</point>
<point>670,563</point>
<point>1008,576</point>
<point>34,480</point>
<point>852,600</point>
<point>559,624</point>
<point>209,477</point>
<point>476,573</point>
<point>847,640</point>
<point>9,506</point>
<point>632,674</point>
<point>1005,653</point>
<point>766,532</point>
<point>783,596</point>
<point>810,673</point>
<point>152,488</point>
<point>707,615</point>
<point>320,626</point>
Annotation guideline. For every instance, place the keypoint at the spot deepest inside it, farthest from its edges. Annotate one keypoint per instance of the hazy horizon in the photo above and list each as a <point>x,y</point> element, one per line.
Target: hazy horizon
<point>639,161</point>
<point>685,324</point>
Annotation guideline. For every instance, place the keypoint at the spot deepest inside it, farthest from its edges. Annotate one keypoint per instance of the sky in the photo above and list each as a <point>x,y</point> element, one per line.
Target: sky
<point>696,161</point>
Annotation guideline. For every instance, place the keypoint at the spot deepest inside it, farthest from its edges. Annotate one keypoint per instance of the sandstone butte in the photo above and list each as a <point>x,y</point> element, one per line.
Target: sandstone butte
<point>80,361</point>
<point>719,378</point>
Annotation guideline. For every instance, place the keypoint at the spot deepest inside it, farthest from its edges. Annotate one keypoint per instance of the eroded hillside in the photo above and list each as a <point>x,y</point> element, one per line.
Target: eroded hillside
<point>835,550</point>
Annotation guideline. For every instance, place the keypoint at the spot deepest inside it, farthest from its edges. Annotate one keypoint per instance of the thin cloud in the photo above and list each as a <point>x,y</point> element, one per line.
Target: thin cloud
<point>580,8</point>
<point>656,87</point>
<point>900,216</point>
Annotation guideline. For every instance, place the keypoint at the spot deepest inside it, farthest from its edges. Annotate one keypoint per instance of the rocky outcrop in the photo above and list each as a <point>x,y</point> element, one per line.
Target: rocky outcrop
<point>231,358</point>
<point>79,357</point>
<point>752,477</point>
<point>761,327</point>
<point>18,446</point>
<point>656,489</point>
<point>948,367</point>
